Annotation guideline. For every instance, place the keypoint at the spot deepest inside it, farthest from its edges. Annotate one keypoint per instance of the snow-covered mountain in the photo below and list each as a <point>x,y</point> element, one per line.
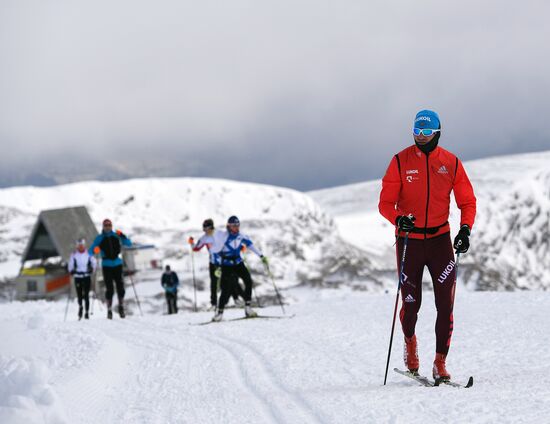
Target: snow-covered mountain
<point>510,239</point>
<point>510,247</point>
<point>301,240</point>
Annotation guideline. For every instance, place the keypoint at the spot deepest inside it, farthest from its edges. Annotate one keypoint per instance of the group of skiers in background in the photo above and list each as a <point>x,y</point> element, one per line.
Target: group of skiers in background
<point>226,266</point>
<point>415,197</point>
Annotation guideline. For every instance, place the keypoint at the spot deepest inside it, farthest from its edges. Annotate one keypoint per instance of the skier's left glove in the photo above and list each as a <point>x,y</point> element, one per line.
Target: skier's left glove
<point>191,241</point>
<point>265,260</point>
<point>218,272</point>
<point>462,239</point>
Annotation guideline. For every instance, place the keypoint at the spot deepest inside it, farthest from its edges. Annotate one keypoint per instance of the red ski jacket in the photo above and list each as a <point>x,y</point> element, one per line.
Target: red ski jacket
<point>420,184</point>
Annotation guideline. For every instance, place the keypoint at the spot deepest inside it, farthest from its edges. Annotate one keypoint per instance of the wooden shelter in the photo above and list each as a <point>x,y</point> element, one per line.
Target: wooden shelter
<point>43,271</point>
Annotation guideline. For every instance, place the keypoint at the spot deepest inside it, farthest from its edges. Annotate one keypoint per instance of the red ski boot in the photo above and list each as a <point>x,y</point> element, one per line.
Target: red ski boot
<point>410,354</point>
<point>439,371</point>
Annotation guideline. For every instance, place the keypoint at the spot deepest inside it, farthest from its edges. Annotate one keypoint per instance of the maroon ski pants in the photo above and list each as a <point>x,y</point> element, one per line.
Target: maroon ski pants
<point>437,254</point>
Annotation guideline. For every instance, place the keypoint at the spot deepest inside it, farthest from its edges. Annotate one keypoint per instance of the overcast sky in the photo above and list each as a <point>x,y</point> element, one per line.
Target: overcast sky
<point>306,94</point>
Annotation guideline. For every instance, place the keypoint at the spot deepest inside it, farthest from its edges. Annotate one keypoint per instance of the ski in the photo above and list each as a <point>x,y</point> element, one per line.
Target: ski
<point>263,316</point>
<point>469,384</point>
<point>425,381</point>
<point>243,318</point>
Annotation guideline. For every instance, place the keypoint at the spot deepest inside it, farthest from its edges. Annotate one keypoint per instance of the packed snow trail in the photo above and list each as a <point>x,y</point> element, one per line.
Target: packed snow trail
<point>323,366</point>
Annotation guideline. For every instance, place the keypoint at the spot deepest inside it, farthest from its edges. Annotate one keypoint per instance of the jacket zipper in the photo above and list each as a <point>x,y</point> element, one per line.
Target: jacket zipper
<point>428,195</point>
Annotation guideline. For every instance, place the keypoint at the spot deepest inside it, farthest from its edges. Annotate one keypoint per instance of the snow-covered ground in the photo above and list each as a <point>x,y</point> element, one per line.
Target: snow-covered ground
<point>326,365</point>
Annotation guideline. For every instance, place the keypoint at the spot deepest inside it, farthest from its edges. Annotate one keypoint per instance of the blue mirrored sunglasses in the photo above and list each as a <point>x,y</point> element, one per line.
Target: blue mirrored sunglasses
<point>426,132</point>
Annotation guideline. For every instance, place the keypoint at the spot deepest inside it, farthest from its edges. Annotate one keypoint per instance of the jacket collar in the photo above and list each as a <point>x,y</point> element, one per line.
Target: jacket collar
<point>419,153</point>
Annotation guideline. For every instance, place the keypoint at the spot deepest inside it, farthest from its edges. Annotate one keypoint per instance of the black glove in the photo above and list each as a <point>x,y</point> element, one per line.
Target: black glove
<point>405,223</point>
<point>73,272</point>
<point>462,239</point>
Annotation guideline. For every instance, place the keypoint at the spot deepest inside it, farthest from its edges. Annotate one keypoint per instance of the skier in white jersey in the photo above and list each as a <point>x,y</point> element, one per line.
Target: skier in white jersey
<point>228,245</point>
<point>215,263</point>
<point>81,266</point>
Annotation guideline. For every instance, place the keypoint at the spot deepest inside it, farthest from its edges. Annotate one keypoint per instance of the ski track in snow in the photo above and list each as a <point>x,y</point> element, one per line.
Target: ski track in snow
<point>323,366</point>
<point>255,371</point>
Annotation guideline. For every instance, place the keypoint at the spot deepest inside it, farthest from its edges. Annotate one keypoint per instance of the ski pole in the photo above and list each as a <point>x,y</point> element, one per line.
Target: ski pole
<point>275,287</point>
<point>68,301</point>
<point>194,281</point>
<point>135,294</point>
<point>405,242</point>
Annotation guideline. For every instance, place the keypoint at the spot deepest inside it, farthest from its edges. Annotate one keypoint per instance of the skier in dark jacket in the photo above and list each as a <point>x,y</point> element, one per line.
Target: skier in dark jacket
<point>415,197</point>
<point>170,284</point>
<point>109,243</point>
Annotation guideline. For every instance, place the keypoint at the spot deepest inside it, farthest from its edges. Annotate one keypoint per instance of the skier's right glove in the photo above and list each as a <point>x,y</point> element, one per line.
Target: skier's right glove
<point>462,239</point>
<point>265,260</point>
<point>218,272</point>
<point>191,241</point>
<point>405,223</point>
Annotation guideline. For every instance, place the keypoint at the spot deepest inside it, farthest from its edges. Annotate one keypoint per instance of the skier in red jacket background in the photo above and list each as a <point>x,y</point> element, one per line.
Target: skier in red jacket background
<point>415,197</point>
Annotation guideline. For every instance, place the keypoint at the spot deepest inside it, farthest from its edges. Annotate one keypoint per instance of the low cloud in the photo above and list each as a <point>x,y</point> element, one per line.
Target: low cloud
<point>298,93</point>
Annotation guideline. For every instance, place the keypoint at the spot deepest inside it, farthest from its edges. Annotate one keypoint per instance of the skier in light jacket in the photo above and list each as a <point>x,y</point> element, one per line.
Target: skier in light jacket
<point>81,266</point>
<point>214,264</point>
<point>228,244</point>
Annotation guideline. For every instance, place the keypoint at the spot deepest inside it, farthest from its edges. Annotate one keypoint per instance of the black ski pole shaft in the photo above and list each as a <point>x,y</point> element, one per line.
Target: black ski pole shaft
<point>194,281</point>
<point>275,287</point>
<point>405,242</point>
<point>135,294</point>
<point>68,301</point>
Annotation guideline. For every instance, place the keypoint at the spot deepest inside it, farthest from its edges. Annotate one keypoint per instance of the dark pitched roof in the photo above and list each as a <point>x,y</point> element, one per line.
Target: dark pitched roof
<point>56,231</point>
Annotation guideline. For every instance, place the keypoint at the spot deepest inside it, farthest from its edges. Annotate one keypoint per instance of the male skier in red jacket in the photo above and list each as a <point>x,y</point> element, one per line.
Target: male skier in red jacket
<point>415,197</point>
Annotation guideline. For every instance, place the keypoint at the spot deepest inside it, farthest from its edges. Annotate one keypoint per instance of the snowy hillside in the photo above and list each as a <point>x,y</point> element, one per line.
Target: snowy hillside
<point>510,241</point>
<point>300,239</point>
<point>319,367</point>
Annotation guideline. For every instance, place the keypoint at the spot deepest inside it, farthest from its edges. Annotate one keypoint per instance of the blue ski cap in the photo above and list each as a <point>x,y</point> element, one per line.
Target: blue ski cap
<point>427,119</point>
<point>233,220</point>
